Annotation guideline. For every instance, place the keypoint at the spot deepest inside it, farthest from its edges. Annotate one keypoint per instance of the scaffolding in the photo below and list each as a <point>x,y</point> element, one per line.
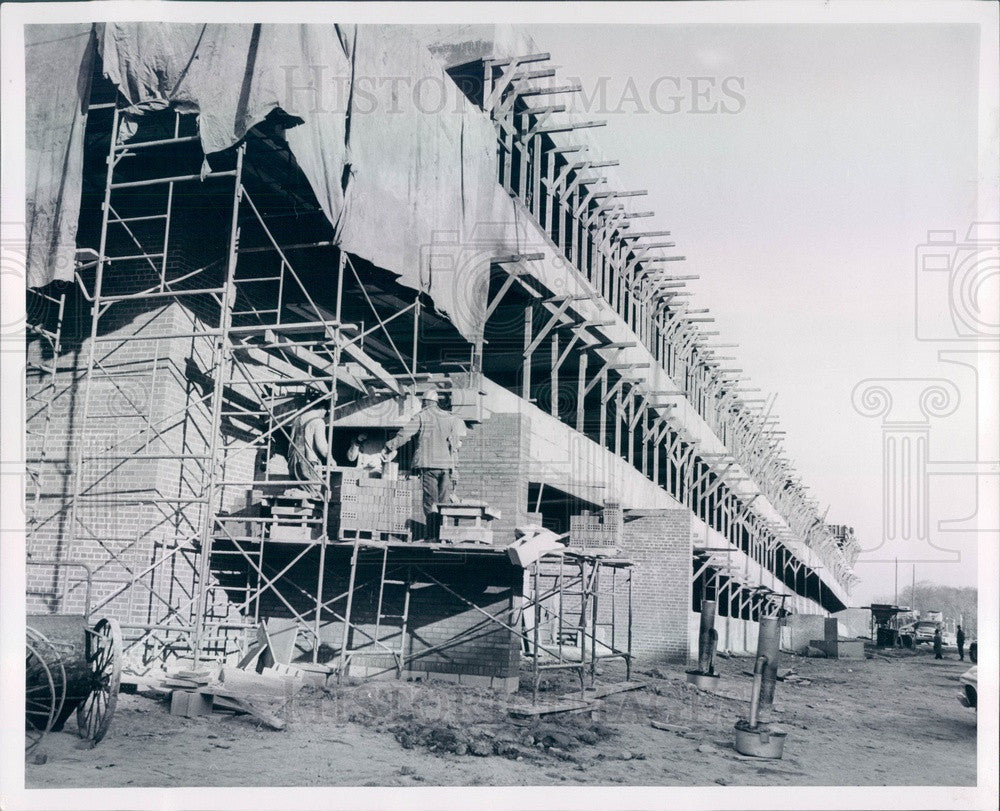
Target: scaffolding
<point>255,332</point>
<point>44,323</point>
<point>254,341</point>
<point>575,611</point>
<point>567,615</point>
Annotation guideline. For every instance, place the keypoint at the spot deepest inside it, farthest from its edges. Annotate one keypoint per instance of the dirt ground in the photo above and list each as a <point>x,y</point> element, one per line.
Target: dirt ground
<point>878,721</point>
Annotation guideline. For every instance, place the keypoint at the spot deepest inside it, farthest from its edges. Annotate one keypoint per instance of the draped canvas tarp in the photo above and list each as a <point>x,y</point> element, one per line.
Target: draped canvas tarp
<point>401,162</point>
<point>422,197</point>
<point>58,63</point>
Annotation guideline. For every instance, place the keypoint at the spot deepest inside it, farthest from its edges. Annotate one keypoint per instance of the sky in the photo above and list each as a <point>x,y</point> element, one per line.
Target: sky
<point>801,202</point>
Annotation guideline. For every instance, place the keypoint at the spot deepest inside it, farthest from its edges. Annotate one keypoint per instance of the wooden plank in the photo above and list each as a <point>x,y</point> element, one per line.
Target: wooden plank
<point>228,701</point>
<point>569,704</point>
<point>594,694</point>
<point>524,711</point>
<point>182,684</point>
<point>680,729</point>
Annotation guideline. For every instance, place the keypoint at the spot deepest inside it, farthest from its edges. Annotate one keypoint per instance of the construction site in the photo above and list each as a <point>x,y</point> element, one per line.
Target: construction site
<point>342,389</point>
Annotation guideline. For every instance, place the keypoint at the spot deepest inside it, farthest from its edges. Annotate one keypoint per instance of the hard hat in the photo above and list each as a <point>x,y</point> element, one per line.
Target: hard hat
<point>429,396</point>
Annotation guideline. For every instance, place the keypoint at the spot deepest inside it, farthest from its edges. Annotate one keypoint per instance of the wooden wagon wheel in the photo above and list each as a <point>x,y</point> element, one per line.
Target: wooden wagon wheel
<point>39,698</point>
<point>104,657</point>
<point>53,658</point>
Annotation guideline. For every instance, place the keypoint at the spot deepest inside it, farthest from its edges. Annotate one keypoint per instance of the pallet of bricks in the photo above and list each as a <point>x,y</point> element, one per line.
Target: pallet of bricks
<point>601,530</point>
<point>375,509</point>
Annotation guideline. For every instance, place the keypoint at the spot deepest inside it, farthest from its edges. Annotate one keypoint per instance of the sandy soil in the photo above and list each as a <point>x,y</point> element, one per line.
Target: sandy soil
<point>877,721</point>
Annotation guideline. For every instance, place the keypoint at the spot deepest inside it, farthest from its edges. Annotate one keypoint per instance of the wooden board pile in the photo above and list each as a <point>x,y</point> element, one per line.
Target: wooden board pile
<point>259,686</point>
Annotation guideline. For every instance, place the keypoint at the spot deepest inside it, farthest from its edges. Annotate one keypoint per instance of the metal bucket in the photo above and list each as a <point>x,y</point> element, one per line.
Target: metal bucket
<point>703,681</point>
<point>762,741</point>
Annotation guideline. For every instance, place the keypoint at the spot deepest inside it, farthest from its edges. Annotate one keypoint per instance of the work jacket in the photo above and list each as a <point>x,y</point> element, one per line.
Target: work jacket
<point>303,461</point>
<point>439,435</point>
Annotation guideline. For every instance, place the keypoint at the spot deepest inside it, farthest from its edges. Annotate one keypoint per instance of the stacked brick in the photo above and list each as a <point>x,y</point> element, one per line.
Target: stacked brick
<point>602,530</point>
<point>369,507</point>
<point>493,468</point>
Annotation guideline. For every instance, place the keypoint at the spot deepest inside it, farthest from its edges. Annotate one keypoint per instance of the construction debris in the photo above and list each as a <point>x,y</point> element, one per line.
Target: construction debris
<point>533,542</point>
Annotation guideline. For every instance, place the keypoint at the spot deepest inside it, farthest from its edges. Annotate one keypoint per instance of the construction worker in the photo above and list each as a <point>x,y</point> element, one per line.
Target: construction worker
<point>366,453</point>
<point>937,644</point>
<point>439,436</point>
<point>308,446</point>
<point>960,641</point>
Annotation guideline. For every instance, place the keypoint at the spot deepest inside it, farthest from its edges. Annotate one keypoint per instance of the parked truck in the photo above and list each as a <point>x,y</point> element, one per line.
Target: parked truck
<point>923,629</point>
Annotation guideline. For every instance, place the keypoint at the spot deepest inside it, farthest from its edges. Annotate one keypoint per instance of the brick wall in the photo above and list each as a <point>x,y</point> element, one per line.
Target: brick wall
<point>659,544</point>
<point>492,467</point>
<point>139,384</point>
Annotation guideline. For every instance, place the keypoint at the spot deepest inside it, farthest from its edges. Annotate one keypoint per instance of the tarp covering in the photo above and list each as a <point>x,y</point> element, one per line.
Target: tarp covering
<point>422,199</point>
<point>58,63</point>
<point>401,162</point>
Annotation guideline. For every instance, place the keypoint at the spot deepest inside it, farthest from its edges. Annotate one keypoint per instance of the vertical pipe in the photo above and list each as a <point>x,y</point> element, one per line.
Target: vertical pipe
<point>345,637</point>
<point>603,427</point>
<point>706,648</point>
<point>628,673</point>
<point>618,422</point>
<point>96,312</point>
<point>404,628</point>
<point>327,472</point>
<point>768,639</point>
<point>535,672</point>
<point>526,375</point>
<point>477,364</point>
<point>550,166</point>
<point>554,380</point>
<point>222,355</point>
<point>595,597</point>
<point>584,599</point>
<point>759,669</point>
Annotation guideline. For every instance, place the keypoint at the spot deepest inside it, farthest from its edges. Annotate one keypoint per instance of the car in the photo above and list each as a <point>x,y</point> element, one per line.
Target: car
<point>968,696</point>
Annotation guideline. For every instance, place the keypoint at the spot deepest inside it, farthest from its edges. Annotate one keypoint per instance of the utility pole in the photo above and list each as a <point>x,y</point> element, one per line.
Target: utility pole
<point>895,582</point>
<point>913,585</point>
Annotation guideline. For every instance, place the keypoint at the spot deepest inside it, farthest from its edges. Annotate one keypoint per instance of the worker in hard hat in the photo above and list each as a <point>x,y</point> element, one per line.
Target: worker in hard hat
<point>439,436</point>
